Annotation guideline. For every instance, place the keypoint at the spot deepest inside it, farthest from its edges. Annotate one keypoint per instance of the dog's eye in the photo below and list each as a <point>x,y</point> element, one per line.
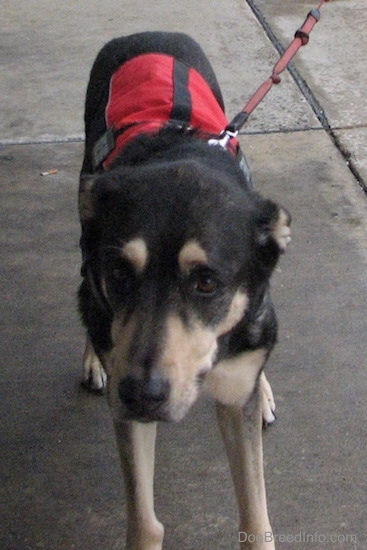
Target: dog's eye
<point>119,281</point>
<point>119,275</point>
<point>205,283</point>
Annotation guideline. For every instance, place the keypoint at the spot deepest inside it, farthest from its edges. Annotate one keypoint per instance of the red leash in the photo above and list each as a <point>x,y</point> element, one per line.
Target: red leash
<point>301,38</point>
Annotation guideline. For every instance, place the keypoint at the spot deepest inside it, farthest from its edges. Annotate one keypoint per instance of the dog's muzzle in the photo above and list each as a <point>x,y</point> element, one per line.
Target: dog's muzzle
<point>146,399</point>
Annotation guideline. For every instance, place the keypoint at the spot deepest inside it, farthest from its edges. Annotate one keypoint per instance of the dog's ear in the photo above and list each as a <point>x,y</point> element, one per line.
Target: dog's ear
<point>273,227</point>
<point>280,229</point>
<point>85,202</point>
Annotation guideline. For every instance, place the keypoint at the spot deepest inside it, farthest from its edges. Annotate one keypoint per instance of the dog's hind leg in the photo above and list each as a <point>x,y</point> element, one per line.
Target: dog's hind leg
<point>136,443</point>
<point>241,430</point>
<point>94,375</point>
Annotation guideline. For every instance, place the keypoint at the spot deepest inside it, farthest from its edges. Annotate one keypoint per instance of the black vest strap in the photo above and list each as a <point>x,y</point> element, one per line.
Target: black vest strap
<point>182,106</point>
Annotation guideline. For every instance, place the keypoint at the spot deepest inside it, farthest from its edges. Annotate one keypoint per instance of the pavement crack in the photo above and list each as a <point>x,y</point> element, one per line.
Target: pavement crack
<point>42,140</point>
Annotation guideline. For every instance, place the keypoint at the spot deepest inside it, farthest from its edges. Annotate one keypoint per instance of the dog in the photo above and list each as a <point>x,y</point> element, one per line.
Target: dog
<point>177,252</point>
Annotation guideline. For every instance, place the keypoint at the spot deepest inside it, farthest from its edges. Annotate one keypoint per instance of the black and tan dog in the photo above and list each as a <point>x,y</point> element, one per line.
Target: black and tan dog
<point>177,251</point>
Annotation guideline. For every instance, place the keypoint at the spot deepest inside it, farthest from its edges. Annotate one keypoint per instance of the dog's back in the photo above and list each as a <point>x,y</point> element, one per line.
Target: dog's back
<point>121,50</point>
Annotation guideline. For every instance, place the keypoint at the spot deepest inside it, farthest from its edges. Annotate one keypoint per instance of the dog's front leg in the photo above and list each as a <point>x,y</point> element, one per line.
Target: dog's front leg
<point>136,443</point>
<point>241,431</point>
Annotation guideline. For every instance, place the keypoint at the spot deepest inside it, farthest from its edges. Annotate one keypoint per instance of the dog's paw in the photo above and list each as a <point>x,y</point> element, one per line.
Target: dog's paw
<point>267,402</point>
<point>94,375</point>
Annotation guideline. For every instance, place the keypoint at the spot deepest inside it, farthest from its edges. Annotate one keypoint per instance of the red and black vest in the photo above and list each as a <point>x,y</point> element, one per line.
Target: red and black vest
<point>151,91</point>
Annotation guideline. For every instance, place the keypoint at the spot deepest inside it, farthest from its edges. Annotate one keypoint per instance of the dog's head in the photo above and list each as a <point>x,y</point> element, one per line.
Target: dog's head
<point>175,252</point>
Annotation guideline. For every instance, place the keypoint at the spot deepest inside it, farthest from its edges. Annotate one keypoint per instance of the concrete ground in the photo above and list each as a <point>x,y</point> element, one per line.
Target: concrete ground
<point>61,487</point>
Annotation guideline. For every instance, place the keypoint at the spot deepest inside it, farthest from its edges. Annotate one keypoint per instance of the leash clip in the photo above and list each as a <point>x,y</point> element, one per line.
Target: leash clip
<point>223,139</point>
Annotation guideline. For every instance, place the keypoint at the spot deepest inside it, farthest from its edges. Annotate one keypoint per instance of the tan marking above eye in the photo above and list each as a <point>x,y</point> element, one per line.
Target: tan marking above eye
<point>191,255</point>
<point>136,252</point>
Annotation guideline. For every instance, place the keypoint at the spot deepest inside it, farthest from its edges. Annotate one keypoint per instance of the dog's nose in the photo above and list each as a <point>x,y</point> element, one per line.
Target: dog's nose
<point>155,389</point>
<point>144,396</point>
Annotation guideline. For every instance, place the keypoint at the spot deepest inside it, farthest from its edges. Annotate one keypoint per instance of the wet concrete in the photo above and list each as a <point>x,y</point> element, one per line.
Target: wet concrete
<point>61,487</point>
